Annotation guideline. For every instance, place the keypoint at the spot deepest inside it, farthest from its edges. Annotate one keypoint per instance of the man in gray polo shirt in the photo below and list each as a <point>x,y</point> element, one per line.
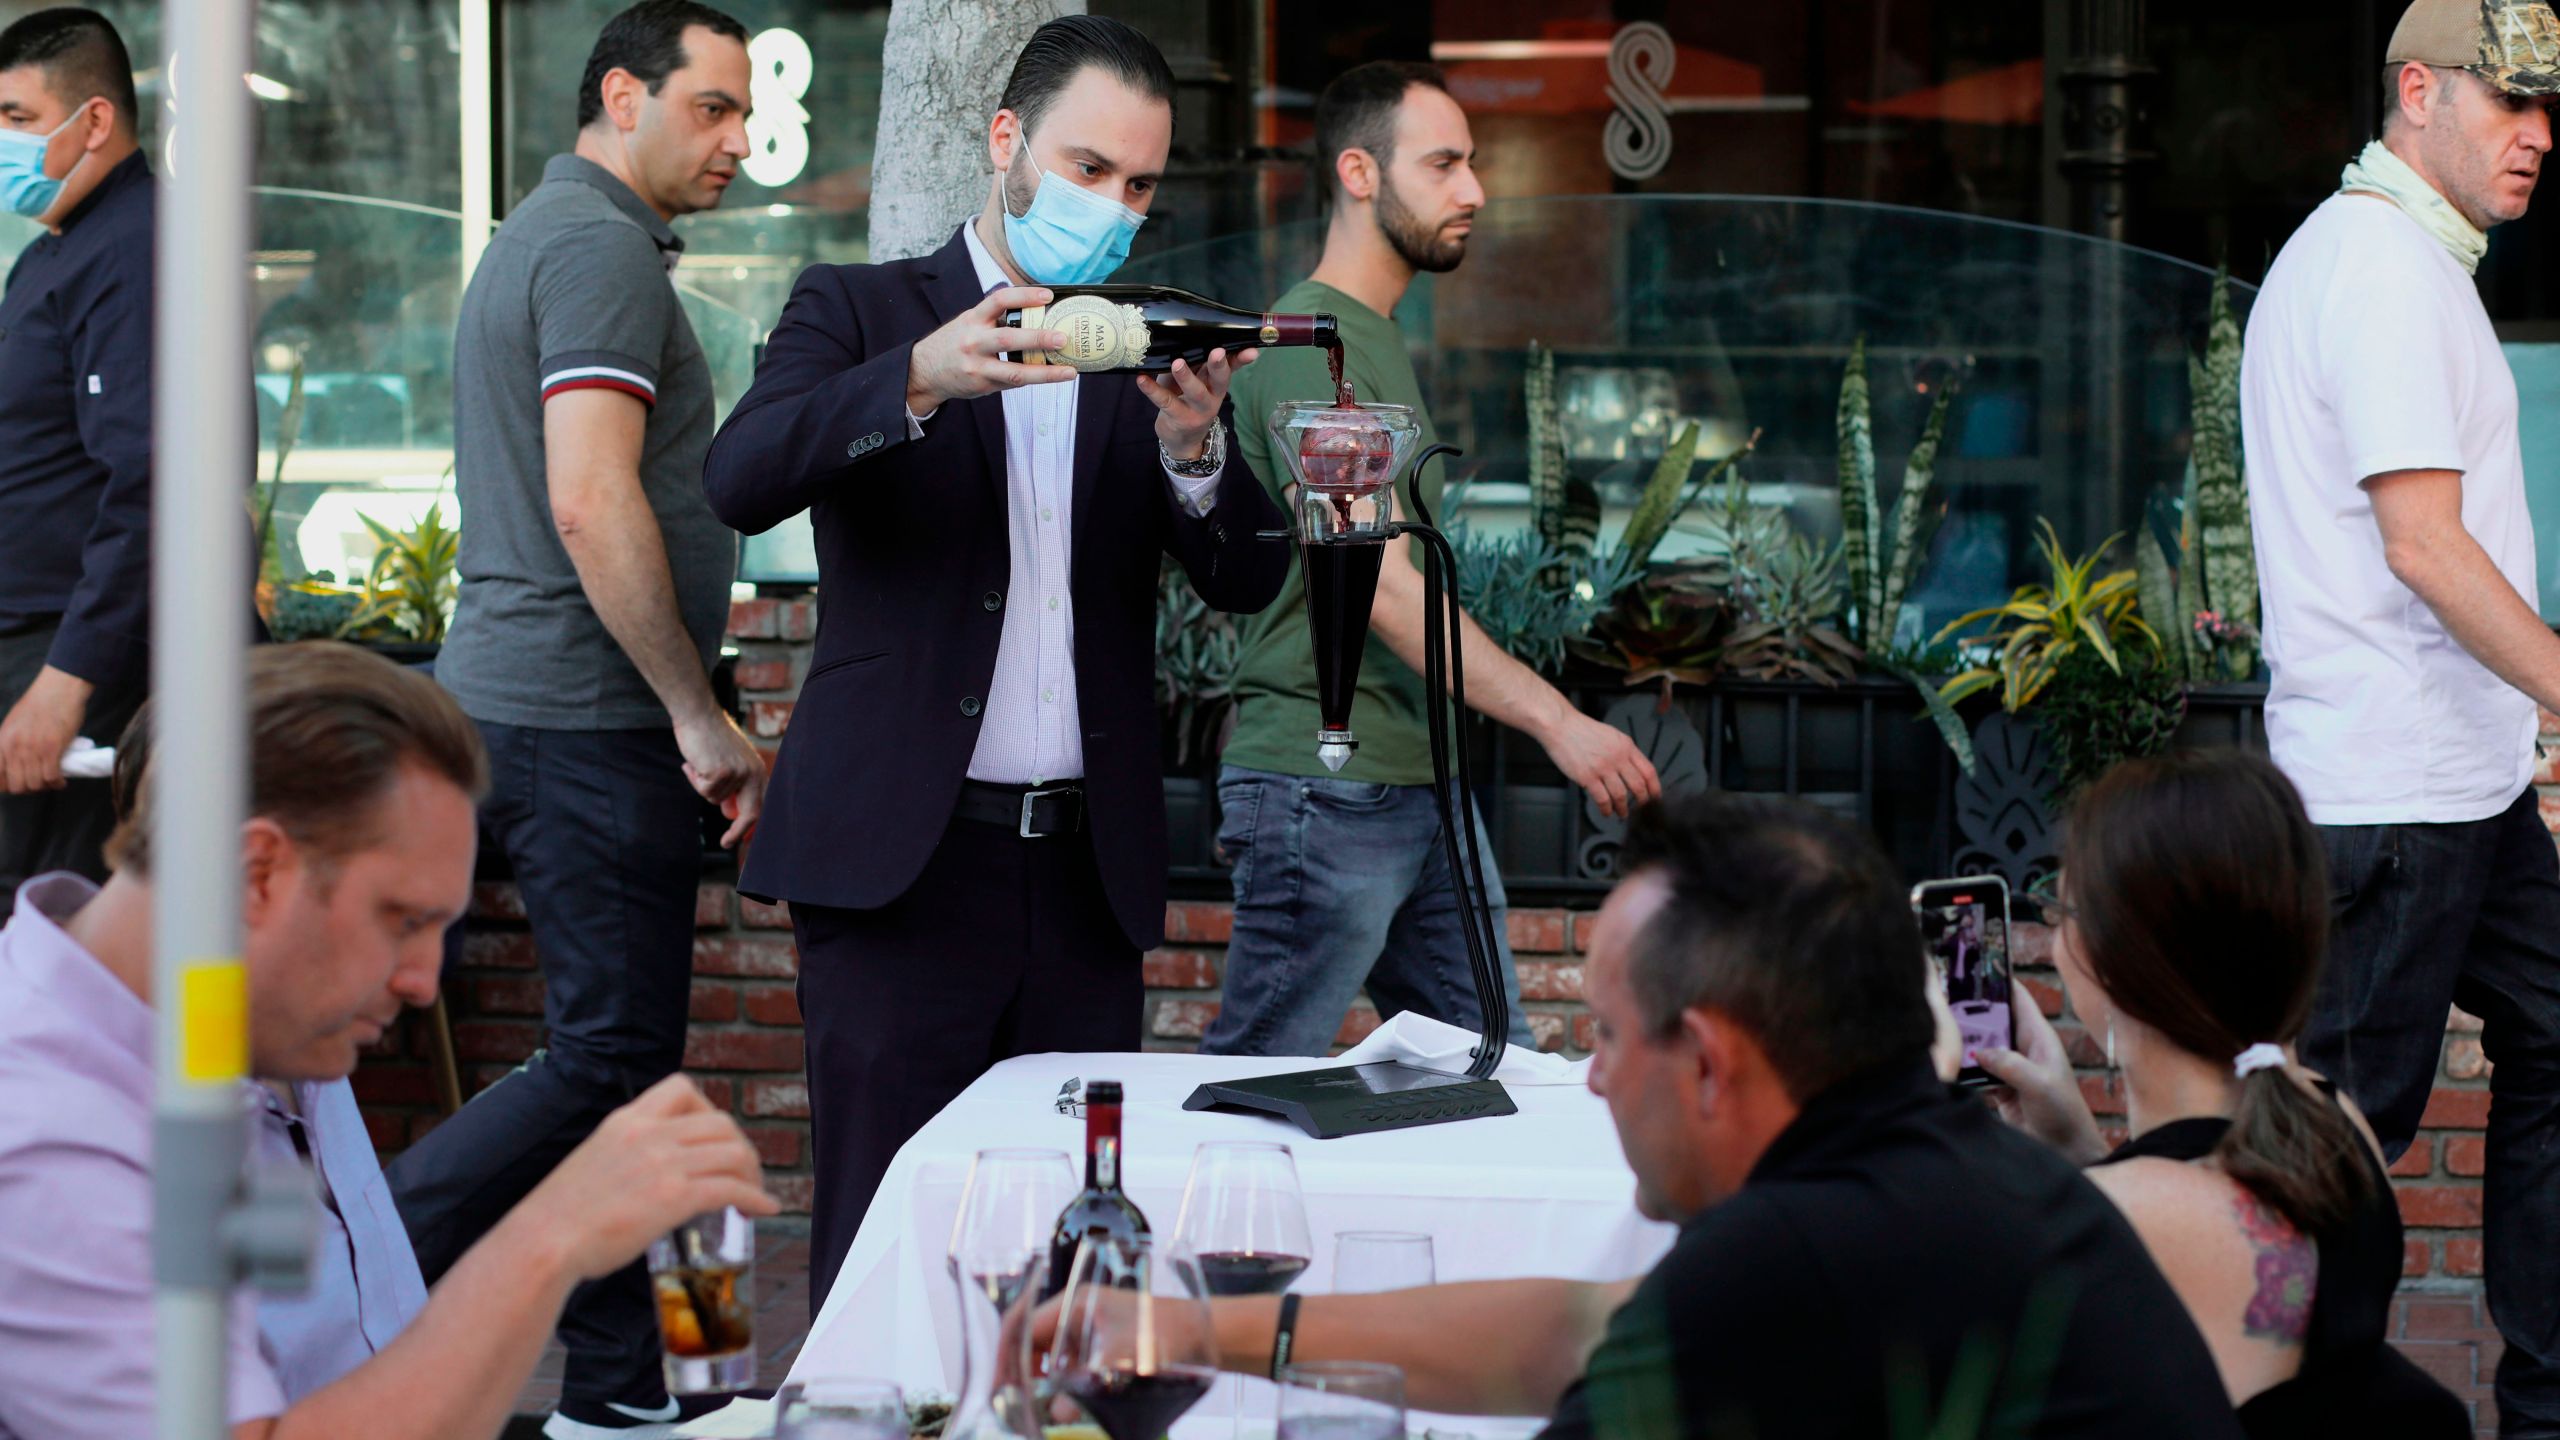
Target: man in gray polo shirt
<point>595,584</point>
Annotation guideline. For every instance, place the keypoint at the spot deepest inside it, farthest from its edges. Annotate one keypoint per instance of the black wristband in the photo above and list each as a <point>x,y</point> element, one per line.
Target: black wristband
<point>1285,1337</point>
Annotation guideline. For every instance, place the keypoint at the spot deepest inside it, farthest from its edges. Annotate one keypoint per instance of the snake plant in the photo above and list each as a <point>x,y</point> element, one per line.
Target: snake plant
<point>1879,578</point>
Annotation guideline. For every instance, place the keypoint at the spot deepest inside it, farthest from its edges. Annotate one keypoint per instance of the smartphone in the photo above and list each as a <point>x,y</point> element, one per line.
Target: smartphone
<point>1964,923</point>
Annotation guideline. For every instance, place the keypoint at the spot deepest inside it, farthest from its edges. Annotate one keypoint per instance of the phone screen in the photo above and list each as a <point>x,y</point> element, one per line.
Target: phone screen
<point>1965,924</point>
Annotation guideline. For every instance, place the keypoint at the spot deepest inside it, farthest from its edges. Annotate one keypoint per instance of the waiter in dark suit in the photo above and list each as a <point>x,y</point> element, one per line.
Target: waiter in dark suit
<point>967,817</point>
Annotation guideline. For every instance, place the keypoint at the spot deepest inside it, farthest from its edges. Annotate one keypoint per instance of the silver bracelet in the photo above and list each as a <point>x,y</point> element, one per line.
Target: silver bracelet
<point>1212,455</point>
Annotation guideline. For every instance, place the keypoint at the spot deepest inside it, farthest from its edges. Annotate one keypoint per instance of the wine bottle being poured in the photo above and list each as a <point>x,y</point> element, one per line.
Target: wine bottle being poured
<point>1143,329</point>
<point>1101,1208</point>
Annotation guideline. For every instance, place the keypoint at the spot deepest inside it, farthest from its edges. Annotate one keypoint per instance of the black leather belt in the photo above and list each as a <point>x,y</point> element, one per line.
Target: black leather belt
<point>1030,811</point>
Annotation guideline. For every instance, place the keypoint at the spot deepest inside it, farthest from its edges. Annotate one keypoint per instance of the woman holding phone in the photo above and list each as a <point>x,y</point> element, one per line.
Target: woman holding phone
<point>2189,926</point>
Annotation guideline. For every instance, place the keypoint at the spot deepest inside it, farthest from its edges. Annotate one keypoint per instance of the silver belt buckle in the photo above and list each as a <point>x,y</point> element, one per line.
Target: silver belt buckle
<point>1030,796</point>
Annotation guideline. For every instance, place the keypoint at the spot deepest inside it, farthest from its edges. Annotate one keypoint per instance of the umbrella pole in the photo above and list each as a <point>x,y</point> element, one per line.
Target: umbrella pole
<point>204,449</point>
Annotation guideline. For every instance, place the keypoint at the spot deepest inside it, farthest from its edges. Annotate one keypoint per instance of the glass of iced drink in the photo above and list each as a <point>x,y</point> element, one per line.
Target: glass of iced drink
<point>703,1276</point>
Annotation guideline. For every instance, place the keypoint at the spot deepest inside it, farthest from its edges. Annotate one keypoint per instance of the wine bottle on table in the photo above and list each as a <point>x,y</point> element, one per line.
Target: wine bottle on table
<point>1141,329</point>
<point>1101,1208</point>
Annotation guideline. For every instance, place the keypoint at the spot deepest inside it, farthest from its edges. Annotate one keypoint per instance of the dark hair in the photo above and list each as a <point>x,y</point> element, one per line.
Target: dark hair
<point>80,53</point>
<point>1358,112</point>
<point>1061,49</point>
<point>330,728</point>
<point>2200,894</point>
<point>648,41</point>
<point>1789,920</point>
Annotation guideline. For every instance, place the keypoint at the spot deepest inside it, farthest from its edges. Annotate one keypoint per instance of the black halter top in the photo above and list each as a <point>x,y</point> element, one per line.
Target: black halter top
<point>2351,1383</point>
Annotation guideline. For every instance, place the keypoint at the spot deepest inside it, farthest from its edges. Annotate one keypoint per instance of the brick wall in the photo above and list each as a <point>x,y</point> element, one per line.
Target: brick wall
<point>746,1048</point>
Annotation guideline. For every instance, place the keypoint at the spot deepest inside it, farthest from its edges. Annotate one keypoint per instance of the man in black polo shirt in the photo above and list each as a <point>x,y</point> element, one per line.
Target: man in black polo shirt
<point>75,434</point>
<point>1863,1251</point>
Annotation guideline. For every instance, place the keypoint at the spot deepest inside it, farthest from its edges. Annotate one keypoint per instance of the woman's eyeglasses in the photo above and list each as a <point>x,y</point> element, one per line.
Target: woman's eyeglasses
<point>2051,908</point>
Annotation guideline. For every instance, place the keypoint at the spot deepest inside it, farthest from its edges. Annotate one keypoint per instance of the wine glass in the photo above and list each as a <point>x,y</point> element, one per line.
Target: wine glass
<point>1341,1400</point>
<point>1245,1223</point>
<point>840,1408</point>
<point>1366,1262</point>
<point>1007,1210</point>
<point>1134,1344</point>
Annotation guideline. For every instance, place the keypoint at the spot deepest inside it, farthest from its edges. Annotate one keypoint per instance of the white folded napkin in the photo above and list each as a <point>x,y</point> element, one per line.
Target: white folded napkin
<point>88,760</point>
<point>1419,1040</point>
<point>742,1417</point>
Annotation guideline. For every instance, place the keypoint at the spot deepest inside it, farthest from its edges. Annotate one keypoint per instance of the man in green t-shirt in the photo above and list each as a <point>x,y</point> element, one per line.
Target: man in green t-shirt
<point>1340,879</point>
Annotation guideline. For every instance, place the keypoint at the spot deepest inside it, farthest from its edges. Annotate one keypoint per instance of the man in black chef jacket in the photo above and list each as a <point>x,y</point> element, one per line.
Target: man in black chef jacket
<point>75,433</point>
<point>967,816</point>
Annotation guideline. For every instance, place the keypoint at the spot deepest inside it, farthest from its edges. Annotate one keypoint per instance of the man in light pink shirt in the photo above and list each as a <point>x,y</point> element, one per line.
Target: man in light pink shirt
<point>356,855</point>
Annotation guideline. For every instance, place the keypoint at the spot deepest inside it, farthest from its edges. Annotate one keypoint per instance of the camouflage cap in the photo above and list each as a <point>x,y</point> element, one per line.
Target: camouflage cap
<point>2512,44</point>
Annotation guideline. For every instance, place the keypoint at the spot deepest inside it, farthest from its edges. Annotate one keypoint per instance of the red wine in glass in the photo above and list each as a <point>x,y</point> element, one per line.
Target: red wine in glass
<point>1343,463</point>
<point>1232,1272</point>
<point>1349,460</point>
<point>1129,1405</point>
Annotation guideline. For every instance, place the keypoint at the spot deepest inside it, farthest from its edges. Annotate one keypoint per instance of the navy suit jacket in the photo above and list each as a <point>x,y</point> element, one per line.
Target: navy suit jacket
<point>913,567</point>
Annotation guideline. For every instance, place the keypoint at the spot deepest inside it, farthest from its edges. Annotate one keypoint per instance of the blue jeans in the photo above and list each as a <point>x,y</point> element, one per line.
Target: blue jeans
<point>1340,884</point>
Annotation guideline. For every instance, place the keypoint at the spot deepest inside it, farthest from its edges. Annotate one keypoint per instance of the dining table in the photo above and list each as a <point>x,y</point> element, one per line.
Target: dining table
<point>1543,1192</point>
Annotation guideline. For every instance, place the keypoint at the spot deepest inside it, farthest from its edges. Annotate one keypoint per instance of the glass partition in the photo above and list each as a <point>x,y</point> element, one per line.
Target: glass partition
<point>2537,368</point>
<point>2070,355</point>
<point>358,256</point>
<point>363,295</point>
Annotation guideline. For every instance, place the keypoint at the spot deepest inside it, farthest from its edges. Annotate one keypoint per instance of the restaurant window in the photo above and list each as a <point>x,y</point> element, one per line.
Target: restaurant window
<point>2247,114</point>
<point>357,263</point>
<point>802,198</point>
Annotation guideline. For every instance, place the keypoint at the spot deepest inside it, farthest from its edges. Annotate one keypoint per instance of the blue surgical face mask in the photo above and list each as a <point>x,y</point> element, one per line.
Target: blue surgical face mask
<point>1070,235</point>
<point>24,187</point>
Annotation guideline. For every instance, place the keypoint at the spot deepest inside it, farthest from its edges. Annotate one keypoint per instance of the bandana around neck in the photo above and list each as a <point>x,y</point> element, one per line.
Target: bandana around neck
<point>2379,172</point>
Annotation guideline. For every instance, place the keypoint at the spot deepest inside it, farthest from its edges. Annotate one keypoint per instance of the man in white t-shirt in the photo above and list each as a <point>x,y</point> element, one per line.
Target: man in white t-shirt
<point>2396,559</point>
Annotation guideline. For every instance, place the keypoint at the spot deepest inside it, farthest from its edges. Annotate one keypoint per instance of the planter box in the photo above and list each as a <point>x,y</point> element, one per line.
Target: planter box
<point>1864,749</point>
<point>1191,835</point>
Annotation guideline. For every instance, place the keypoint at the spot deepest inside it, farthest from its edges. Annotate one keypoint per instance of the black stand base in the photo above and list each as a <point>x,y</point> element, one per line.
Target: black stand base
<point>1359,1099</point>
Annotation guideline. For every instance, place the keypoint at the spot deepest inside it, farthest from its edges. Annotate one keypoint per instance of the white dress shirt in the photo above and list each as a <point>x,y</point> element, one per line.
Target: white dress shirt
<point>1029,733</point>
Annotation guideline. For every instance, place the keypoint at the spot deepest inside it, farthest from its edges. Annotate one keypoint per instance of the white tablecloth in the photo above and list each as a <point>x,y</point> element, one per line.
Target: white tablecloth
<point>1543,1192</point>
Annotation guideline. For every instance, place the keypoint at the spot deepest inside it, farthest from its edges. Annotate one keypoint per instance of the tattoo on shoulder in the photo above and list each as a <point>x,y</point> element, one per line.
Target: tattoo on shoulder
<point>2288,1266</point>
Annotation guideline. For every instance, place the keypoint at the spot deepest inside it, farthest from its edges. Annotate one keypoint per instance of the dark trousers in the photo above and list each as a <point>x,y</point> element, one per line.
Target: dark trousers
<point>2465,914</point>
<point>63,829</point>
<point>605,838</point>
<point>1002,947</point>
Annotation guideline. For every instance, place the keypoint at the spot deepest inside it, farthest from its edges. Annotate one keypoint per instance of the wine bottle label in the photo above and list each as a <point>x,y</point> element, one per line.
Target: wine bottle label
<point>1270,331</point>
<point>1101,334</point>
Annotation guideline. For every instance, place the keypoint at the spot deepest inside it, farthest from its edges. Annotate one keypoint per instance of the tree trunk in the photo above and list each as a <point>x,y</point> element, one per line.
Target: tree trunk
<point>942,66</point>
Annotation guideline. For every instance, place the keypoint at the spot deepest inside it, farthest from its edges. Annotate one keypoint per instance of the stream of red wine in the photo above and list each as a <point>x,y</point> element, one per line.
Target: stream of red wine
<point>1345,398</point>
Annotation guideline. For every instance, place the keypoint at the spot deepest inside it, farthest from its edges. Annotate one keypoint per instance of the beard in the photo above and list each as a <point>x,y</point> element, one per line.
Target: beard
<point>1021,181</point>
<point>1418,243</point>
